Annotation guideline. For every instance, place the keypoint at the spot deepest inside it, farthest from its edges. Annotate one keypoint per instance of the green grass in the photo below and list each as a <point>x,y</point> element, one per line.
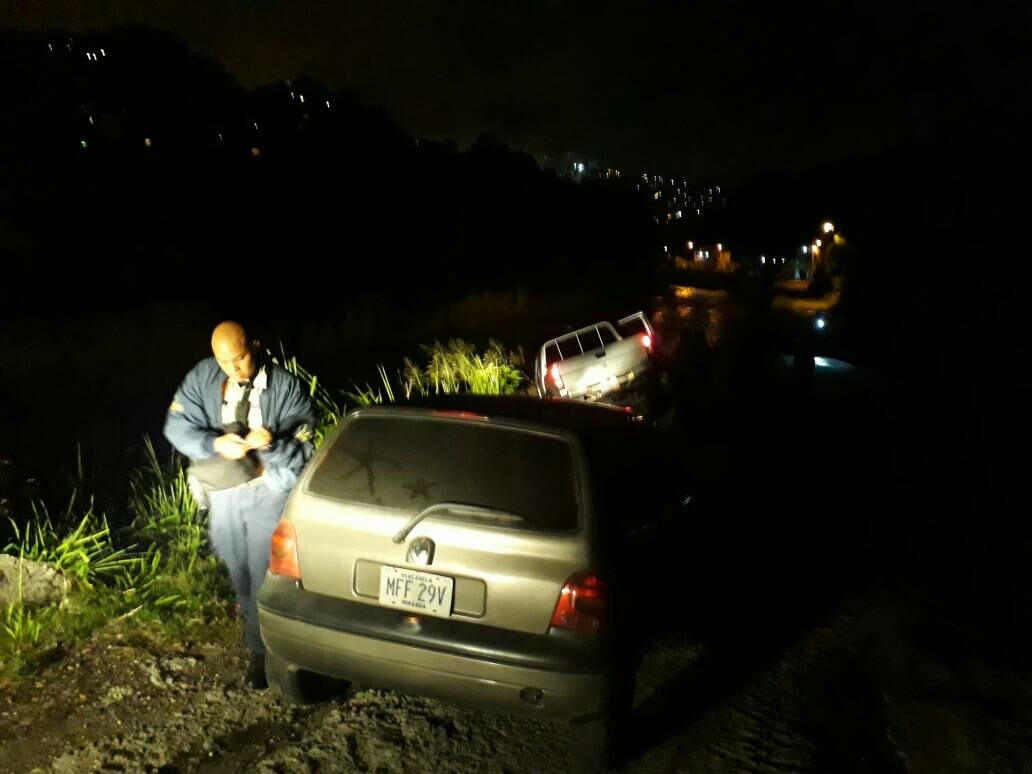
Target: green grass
<point>159,573</point>
<point>457,367</point>
<point>157,578</point>
<point>329,408</point>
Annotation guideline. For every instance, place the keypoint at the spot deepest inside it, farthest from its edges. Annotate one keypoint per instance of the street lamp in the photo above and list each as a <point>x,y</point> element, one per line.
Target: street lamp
<point>828,227</point>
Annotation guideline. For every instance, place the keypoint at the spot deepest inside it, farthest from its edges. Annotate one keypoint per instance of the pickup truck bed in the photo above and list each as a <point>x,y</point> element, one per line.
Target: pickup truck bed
<point>595,360</point>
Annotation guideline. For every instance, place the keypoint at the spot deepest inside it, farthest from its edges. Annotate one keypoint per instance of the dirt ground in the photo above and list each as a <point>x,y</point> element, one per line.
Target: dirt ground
<point>868,687</point>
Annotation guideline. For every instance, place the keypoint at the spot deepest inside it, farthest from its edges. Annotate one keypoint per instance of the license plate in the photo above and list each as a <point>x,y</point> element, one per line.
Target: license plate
<point>418,592</point>
<point>608,384</point>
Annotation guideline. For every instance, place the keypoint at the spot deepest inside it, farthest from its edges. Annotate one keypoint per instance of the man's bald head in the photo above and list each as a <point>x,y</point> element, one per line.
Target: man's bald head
<point>233,351</point>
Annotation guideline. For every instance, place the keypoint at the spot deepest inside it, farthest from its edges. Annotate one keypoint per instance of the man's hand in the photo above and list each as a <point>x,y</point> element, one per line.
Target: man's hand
<point>231,446</point>
<point>258,438</point>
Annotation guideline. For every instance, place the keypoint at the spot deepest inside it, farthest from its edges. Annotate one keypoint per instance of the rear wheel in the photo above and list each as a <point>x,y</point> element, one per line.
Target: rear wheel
<point>593,744</point>
<point>299,686</point>
<point>601,743</point>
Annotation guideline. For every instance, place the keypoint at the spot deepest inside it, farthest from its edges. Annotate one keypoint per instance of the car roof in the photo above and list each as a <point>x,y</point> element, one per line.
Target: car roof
<point>571,415</point>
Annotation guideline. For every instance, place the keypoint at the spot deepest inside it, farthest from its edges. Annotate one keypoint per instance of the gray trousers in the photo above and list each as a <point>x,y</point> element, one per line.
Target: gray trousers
<point>240,524</point>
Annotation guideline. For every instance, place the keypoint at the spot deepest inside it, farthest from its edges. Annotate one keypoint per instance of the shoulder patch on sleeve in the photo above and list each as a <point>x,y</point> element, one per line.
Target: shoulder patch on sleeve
<point>176,407</point>
<point>303,434</point>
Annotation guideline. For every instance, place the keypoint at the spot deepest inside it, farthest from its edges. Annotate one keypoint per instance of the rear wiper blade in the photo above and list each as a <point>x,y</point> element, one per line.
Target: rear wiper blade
<point>462,509</point>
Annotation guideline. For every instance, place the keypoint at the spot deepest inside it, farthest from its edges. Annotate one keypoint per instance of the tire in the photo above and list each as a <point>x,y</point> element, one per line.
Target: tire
<point>601,743</point>
<point>298,686</point>
<point>593,744</point>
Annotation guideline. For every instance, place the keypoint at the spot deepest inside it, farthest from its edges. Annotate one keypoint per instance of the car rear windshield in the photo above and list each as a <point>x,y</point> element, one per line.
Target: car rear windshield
<point>414,462</point>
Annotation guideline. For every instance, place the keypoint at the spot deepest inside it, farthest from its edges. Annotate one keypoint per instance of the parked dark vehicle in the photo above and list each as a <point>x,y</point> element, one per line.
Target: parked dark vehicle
<point>504,553</point>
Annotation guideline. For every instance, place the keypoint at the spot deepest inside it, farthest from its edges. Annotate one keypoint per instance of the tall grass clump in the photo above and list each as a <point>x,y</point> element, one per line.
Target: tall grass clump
<point>329,410</point>
<point>85,554</point>
<point>457,367</point>
<point>450,368</point>
<point>187,579</point>
<point>157,572</point>
<point>103,579</point>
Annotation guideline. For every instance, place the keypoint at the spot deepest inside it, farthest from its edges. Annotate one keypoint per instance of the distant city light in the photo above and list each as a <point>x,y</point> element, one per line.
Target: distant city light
<point>82,144</point>
<point>147,141</point>
<point>691,245</point>
<point>665,250</point>
<point>820,362</point>
<point>828,227</point>
<point>817,242</point>
<point>50,46</point>
<point>255,152</point>
<point>327,104</point>
<point>91,120</point>
<point>719,246</point>
<point>102,53</point>
<point>805,249</point>
<point>821,323</point>
<point>763,260</point>
<point>302,96</point>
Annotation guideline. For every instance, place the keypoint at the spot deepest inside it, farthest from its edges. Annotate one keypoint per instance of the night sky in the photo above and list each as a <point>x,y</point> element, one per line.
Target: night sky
<point>713,91</point>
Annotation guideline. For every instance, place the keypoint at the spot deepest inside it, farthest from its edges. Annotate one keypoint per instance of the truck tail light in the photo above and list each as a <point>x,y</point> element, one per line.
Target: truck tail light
<point>557,377</point>
<point>582,603</point>
<point>283,556</point>
<point>646,341</point>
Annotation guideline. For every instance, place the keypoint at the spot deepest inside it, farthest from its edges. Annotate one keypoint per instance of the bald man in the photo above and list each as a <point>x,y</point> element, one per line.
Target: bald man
<point>245,425</point>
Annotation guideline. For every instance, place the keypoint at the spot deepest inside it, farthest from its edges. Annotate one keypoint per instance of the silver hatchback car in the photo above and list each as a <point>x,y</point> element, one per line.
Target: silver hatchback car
<point>477,550</point>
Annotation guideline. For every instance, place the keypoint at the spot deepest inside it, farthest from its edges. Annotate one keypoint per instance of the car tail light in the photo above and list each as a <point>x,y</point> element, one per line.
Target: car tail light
<point>646,341</point>
<point>582,603</point>
<point>556,376</point>
<point>283,557</point>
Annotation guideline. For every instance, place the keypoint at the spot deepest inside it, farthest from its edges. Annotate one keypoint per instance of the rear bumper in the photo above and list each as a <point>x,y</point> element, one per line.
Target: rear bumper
<point>624,382</point>
<point>419,664</point>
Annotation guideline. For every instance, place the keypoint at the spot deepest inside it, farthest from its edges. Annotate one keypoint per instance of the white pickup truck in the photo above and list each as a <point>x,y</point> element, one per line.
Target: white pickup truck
<point>596,360</point>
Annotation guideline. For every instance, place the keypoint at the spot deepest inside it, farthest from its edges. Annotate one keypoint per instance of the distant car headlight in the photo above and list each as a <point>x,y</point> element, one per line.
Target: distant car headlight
<point>821,323</point>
